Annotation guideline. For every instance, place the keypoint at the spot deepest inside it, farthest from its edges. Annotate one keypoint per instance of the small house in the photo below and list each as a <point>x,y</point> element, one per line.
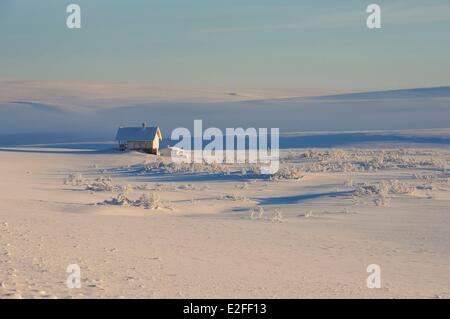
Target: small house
<point>144,138</point>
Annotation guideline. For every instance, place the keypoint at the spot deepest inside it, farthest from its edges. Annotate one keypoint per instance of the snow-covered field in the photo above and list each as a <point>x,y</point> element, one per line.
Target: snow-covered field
<point>141,226</point>
<point>365,181</point>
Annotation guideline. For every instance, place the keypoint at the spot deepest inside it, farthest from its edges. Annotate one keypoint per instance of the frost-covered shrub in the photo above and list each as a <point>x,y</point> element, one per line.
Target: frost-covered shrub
<point>234,197</point>
<point>308,214</point>
<point>429,178</point>
<point>382,200</point>
<point>145,201</point>
<point>142,187</point>
<point>397,187</point>
<point>356,160</point>
<point>241,186</point>
<point>186,187</point>
<point>277,216</point>
<point>213,168</point>
<point>100,184</point>
<point>148,202</point>
<point>125,188</point>
<point>75,179</point>
<point>287,173</point>
<point>104,184</point>
<point>118,200</point>
<point>366,189</point>
<point>257,213</point>
<point>383,190</point>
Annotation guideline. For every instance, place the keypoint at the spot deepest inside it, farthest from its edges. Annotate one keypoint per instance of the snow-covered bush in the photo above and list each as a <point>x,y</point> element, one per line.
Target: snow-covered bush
<point>277,216</point>
<point>186,187</point>
<point>142,187</point>
<point>101,184</point>
<point>75,179</point>
<point>308,214</point>
<point>287,173</point>
<point>257,213</point>
<point>146,201</point>
<point>234,197</point>
<point>383,190</point>
<point>118,200</point>
<point>397,187</point>
<point>241,186</point>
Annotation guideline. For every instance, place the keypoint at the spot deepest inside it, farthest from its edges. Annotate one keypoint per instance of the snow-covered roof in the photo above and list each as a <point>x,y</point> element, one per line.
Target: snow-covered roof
<point>142,133</point>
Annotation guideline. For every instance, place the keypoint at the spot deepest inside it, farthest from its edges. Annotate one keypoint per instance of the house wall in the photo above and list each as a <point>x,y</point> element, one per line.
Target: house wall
<point>155,143</point>
<point>150,146</point>
<point>138,145</point>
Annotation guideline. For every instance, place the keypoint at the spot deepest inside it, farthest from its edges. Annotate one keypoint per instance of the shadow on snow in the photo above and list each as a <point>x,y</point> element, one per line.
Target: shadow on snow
<point>286,200</point>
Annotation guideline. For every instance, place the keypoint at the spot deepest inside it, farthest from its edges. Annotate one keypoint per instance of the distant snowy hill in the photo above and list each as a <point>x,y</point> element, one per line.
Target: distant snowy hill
<point>435,92</point>
<point>58,114</point>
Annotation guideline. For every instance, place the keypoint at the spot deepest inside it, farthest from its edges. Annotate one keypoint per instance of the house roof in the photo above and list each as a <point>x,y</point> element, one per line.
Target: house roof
<point>138,133</point>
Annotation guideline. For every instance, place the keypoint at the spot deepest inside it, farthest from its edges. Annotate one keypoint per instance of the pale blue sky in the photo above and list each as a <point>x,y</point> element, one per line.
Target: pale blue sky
<point>232,43</point>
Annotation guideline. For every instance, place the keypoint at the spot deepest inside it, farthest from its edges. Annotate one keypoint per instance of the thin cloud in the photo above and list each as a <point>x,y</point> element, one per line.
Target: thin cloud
<point>391,15</point>
<point>419,14</point>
